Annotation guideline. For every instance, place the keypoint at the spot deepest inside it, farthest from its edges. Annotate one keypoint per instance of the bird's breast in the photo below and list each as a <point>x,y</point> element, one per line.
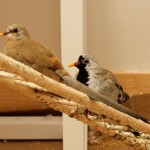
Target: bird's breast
<point>83,77</point>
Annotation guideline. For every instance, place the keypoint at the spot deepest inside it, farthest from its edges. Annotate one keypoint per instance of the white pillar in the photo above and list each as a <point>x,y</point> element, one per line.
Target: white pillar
<point>73,44</point>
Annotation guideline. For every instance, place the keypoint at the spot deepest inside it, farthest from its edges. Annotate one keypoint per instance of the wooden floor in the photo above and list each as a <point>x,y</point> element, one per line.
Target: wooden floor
<point>53,145</point>
<point>31,145</point>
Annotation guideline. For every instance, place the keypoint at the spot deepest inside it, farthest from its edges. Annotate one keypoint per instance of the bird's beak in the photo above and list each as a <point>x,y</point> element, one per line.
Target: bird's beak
<point>74,64</point>
<point>4,33</point>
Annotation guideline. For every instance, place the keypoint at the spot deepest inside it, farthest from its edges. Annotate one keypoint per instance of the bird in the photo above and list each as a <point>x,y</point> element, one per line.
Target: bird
<point>102,81</point>
<point>99,79</point>
<point>24,49</point>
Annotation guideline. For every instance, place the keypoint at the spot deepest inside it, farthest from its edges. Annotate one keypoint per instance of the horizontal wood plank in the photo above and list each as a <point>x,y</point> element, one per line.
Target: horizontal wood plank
<point>47,127</point>
<point>135,83</point>
<point>11,101</point>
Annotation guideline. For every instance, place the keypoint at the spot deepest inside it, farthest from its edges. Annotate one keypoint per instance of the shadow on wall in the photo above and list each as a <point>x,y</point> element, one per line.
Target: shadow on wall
<point>118,34</point>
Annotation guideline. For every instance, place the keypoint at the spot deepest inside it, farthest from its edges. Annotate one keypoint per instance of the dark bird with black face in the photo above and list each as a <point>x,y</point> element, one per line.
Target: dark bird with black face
<point>99,79</point>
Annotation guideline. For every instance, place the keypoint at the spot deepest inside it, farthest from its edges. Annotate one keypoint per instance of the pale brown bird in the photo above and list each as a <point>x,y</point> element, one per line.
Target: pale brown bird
<point>30,52</point>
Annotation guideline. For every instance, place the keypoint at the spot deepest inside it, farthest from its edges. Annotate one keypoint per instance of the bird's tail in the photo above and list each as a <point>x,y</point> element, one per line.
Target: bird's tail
<point>123,98</point>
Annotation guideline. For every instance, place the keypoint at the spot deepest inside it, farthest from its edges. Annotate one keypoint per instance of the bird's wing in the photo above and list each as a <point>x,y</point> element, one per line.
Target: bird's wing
<point>107,85</point>
<point>111,78</point>
<point>34,53</point>
<point>108,77</point>
<point>112,87</point>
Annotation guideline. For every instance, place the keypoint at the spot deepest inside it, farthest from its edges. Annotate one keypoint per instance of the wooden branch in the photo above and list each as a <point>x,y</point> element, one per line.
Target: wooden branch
<point>98,96</point>
<point>21,81</point>
<point>123,133</point>
<point>10,65</point>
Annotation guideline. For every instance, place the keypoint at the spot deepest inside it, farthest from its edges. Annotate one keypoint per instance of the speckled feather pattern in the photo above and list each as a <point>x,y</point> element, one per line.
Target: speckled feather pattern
<point>103,81</point>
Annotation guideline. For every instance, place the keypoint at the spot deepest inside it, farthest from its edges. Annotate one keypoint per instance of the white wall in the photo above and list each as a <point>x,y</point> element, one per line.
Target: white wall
<point>73,43</point>
<point>119,34</point>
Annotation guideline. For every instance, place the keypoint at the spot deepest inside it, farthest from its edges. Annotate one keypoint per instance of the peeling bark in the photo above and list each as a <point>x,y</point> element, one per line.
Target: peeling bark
<point>112,122</point>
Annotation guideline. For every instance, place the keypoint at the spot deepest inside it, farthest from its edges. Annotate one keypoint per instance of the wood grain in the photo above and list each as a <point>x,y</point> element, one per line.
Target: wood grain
<point>135,83</point>
<point>11,101</point>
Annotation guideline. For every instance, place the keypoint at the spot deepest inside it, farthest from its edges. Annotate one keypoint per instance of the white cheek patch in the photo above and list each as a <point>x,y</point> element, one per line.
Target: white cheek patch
<point>9,36</point>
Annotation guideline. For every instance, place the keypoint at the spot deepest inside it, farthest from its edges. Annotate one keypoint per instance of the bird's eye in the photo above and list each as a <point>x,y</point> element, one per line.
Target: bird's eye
<point>85,61</point>
<point>15,30</point>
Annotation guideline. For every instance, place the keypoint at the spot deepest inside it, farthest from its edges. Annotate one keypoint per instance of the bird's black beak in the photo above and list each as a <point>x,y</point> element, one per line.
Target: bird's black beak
<point>74,64</point>
<point>4,33</point>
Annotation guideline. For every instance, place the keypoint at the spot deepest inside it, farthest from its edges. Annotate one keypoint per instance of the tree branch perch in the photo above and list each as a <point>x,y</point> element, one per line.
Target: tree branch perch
<point>56,95</point>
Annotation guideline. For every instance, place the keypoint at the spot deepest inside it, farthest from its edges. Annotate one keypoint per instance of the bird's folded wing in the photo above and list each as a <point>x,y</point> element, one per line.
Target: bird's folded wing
<point>33,53</point>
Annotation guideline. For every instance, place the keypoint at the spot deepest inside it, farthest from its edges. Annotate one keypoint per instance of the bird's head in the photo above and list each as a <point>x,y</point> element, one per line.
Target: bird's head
<point>85,61</point>
<point>16,32</point>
